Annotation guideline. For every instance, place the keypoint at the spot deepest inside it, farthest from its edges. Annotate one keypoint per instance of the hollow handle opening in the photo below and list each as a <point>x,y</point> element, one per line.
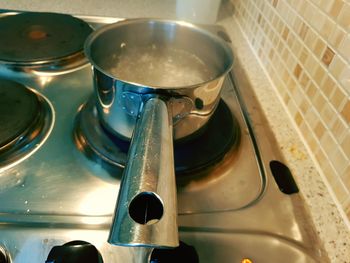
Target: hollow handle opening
<point>146,209</point>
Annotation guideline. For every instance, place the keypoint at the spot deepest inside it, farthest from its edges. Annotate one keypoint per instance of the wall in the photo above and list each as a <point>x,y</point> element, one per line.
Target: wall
<point>304,45</point>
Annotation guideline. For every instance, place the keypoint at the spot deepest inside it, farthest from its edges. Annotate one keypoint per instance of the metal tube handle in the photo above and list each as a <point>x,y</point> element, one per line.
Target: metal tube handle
<point>146,209</point>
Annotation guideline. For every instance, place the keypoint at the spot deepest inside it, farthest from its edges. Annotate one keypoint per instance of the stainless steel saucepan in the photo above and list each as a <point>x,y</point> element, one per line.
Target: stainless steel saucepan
<point>155,81</point>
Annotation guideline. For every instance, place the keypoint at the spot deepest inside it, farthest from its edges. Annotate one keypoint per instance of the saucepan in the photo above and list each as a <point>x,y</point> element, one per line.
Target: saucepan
<point>155,81</point>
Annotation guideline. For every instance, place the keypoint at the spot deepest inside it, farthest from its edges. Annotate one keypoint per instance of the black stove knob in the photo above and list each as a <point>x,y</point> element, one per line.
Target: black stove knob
<point>74,252</point>
<point>4,255</point>
<point>183,253</point>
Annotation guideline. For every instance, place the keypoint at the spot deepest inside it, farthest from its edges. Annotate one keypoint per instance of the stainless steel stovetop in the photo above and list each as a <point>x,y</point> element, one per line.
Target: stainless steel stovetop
<point>232,212</point>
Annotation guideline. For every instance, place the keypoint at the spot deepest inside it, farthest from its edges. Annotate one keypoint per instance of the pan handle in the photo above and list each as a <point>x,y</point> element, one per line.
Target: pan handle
<point>146,209</point>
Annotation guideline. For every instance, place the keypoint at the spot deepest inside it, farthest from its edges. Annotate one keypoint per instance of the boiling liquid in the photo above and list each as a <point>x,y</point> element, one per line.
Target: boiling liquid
<point>160,67</point>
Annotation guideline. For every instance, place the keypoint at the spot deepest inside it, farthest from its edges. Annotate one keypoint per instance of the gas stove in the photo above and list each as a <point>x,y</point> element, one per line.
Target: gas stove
<point>60,173</point>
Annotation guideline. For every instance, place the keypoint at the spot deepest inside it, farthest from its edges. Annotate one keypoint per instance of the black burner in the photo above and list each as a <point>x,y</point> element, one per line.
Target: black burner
<point>35,37</point>
<point>19,108</point>
<point>194,154</point>
<point>25,121</point>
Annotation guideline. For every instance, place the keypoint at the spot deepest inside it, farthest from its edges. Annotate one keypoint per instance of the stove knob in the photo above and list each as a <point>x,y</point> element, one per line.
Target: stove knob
<point>183,253</point>
<point>4,255</point>
<point>74,252</point>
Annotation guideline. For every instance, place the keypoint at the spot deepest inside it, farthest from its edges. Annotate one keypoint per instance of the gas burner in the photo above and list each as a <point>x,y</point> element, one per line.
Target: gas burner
<point>26,119</point>
<point>42,42</point>
<point>206,148</point>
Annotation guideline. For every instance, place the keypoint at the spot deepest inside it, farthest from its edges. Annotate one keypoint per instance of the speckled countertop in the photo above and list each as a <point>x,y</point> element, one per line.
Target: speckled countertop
<point>329,223</point>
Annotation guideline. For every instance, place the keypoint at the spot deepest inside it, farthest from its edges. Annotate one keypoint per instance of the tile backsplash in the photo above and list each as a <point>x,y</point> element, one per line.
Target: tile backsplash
<point>304,46</point>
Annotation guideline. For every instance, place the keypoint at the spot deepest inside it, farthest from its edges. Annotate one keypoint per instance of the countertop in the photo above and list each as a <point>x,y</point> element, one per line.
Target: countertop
<point>333,230</point>
<point>112,8</point>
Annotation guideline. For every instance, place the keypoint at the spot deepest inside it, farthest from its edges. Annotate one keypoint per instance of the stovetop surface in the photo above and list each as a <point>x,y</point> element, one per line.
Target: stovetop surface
<point>233,211</point>
<point>59,180</point>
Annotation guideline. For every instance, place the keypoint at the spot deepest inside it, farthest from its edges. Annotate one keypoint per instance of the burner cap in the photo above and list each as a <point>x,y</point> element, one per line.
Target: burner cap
<point>19,108</point>
<point>41,37</point>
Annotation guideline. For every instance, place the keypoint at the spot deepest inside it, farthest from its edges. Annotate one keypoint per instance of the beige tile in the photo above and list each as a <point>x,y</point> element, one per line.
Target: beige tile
<point>344,47</point>
<point>304,80</point>
<point>328,114</point>
<point>346,144</point>
<point>345,112</point>
<point>285,75</point>
<point>328,86</point>
<point>311,16</point>
<point>271,54</point>
<point>305,9</point>
<point>270,34</point>
<point>319,75</point>
<point>311,90</point>
<point>340,190</point>
<point>336,8</point>
<point>325,5</point>
<point>292,107</point>
<point>311,64</point>
<point>337,36</point>
<point>297,71</point>
<point>304,129</point>
<point>323,162</point>
<point>311,139</point>
<point>280,47</point>
<point>298,119</point>
<point>286,98</point>
<point>339,131</point>
<point>304,105</point>
<point>328,143</point>
<point>285,54</point>
<point>338,98</point>
<point>337,66</point>
<point>274,3</point>
<point>328,55</point>
<point>303,30</point>
<point>275,41</point>
<point>303,55</point>
<point>296,48</point>
<point>327,28</point>
<point>339,160</point>
<point>319,21</point>
<point>344,16</point>
<point>275,20</point>
<point>310,38</point>
<point>285,33</point>
<point>344,78</point>
<point>312,118</point>
<point>291,62</point>
<point>290,40</point>
<point>280,26</point>
<point>319,47</point>
<point>319,130</point>
<point>297,95</point>
<point>297,24</point>
<point>327,168</point>
<point>346,177</point>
